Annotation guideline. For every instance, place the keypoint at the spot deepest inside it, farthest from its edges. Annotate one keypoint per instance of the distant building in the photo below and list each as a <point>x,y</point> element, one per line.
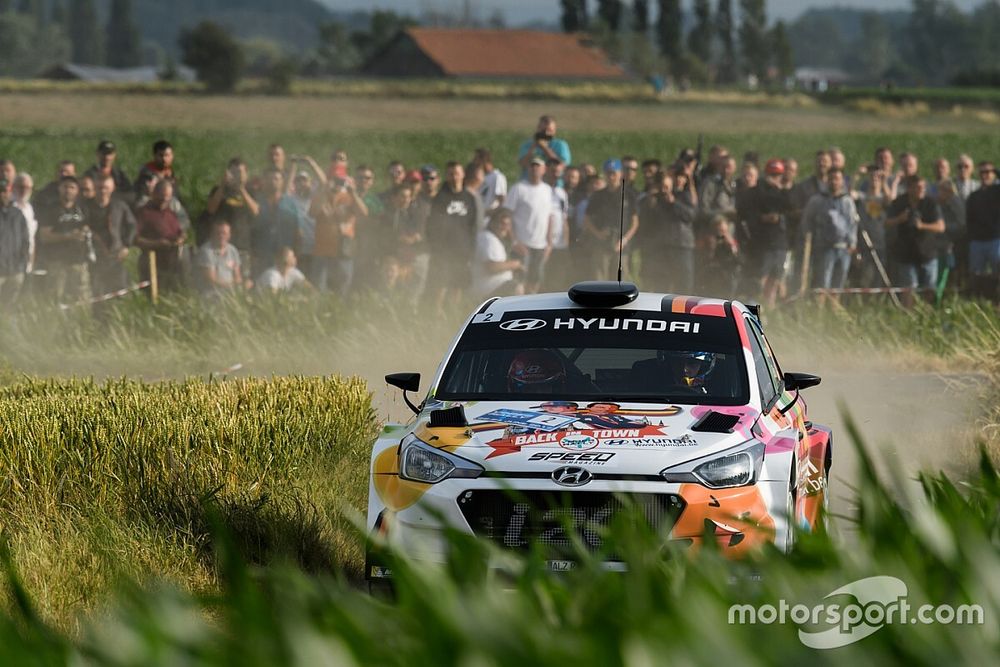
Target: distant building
<point>97,74</point>
<point>819,80</point>
<point>492,54</point>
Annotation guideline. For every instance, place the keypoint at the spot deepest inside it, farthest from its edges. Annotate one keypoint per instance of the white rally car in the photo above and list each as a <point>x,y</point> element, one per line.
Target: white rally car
<point>550,413</point>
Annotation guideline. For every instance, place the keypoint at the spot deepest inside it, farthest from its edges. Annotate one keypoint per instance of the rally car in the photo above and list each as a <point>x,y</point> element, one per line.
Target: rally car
<point>551,413</point>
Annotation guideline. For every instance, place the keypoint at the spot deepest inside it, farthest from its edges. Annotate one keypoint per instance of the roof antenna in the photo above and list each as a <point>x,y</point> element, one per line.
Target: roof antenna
<point>621,233</point>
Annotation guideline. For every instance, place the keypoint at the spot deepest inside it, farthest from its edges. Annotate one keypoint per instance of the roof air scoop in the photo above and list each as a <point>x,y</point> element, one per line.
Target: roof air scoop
<point>603,293</point>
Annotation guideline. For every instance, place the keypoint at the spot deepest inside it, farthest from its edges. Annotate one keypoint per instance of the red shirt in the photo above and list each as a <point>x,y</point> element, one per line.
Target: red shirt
<point>158,225</point>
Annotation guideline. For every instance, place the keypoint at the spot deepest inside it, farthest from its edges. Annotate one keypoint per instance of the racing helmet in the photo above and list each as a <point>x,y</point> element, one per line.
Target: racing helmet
<point>536,372</point>
<point>691,367</point>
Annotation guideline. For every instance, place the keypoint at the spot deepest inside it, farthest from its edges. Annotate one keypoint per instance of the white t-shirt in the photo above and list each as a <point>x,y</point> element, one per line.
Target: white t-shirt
<point>272,280</point>
<point>560,217</point>
<point>29,215</point>
<point>494,185</point>
<point>489,248</point>
<point>532,208</point>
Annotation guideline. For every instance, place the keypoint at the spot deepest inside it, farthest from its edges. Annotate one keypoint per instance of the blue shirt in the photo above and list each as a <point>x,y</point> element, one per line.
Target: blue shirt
<point>558,146</point>
<point>276,226</point>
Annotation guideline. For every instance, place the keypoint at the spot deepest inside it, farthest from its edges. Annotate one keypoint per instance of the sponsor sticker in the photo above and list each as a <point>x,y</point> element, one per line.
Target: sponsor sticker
<point>578,442</point>
<point>580,458</point>
<point>652,441</point>
<point>541,421</point>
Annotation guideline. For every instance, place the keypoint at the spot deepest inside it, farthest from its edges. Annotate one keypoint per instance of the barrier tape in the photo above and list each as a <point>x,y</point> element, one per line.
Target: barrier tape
<point>863,290</point>
<point>107,297</point>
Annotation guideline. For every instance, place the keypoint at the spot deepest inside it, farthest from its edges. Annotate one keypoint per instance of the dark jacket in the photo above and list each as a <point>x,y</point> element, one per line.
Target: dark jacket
<point>13,241</point>
<point>664,224</point>
<point>982,214</point>
<point>765,199</point>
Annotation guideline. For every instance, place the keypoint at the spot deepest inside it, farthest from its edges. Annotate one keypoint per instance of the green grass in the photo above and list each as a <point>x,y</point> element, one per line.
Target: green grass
<point>201,156</point>
<point>111,482</point>
<point>943,97</point>
<point>668,609</point>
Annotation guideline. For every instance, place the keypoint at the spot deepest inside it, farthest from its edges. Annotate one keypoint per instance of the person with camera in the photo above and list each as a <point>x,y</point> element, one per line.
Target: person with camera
<point>543,145</point>
<point>277,223</point>
<point>919,232</point>
<point>602,220</point>
<point>336,210</point>
<point>230,200</point>
<point>667,238</point>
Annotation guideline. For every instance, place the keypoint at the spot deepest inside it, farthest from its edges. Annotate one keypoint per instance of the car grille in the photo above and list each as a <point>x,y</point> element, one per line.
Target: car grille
<point>519,519</point>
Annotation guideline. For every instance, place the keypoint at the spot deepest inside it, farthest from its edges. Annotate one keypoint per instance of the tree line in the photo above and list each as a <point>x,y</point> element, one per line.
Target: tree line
<point>36,34</point>
<point>715,49</point>
<point>933,43</point>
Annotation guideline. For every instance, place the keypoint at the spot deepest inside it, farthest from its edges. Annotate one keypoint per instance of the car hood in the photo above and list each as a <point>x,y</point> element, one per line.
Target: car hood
<point>627,438</point>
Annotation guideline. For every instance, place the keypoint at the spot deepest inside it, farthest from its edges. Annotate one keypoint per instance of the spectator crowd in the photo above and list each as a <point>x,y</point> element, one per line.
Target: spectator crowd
<point>751,229</point>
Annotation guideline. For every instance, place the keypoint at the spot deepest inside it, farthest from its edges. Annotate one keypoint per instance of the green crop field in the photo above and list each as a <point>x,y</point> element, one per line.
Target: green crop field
<point>181,484</point>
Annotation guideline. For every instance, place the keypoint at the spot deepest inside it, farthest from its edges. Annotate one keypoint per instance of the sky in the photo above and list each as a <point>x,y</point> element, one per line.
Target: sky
<point>517,12</point>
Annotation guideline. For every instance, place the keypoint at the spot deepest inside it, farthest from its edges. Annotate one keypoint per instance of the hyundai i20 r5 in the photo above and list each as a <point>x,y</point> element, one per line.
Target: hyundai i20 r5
<point>551,413</point>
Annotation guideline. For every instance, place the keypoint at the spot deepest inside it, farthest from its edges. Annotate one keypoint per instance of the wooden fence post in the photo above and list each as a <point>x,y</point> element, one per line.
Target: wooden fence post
<point>154,284</point>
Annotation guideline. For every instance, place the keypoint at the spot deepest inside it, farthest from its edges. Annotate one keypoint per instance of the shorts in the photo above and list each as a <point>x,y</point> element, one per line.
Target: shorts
<point>772,264</point>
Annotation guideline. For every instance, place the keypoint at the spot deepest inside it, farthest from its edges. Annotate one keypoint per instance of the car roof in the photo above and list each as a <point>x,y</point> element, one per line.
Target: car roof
<point>646,301</point>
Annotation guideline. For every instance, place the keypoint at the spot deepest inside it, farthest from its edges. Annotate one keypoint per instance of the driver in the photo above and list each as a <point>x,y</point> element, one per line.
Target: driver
<point>536,372</point>
<point>692,368</point>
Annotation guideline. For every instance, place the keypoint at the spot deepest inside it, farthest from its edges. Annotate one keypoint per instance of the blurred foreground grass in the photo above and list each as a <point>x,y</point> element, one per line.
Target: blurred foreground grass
<point>943,544</point>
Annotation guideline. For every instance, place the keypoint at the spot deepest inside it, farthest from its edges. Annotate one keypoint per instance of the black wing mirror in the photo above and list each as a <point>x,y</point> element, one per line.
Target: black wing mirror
<point>406,382</point>
<point>797,381</point>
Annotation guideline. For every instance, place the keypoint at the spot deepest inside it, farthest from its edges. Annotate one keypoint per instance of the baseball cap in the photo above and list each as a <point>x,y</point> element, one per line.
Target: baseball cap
<point>556,404</point>
<point>428,169</point>
<point>612,164</point>
<point>414,176</point>
<point>106,147</point>
<point>687,155</point>
<point>775,167</point>
<point>537,160</point>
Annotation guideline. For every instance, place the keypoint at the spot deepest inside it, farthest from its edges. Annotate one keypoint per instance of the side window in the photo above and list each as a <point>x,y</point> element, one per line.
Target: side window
<point>772,364</point>
<point>767,390</point>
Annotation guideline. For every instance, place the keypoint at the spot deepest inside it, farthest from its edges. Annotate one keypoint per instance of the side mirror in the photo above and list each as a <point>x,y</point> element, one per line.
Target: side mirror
<point>797,381</point>
<point>406,382</point>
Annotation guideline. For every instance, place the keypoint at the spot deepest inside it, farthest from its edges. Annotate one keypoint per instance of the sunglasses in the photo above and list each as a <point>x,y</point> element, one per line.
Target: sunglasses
<point>432,177</point>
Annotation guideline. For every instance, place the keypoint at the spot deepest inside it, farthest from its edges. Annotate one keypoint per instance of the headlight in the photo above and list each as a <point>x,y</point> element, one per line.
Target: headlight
<point>733,470</point>
<point>738,467</point>
<point>420,462</point>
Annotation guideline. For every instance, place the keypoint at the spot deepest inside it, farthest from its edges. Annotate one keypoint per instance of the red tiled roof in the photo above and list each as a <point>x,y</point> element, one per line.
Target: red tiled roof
<point>513,53</point>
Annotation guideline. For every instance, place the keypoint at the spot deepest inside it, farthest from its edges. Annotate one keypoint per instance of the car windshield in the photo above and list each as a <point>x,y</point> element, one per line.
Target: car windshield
<point>642,356</point>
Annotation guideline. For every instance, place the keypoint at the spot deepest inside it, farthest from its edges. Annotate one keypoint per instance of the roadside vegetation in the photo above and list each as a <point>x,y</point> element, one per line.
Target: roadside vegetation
<point>942,545</point>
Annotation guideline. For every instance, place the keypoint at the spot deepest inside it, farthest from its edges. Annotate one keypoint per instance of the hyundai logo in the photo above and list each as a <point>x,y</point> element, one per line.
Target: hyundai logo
<point>571,476</point>
<point>522,325</point>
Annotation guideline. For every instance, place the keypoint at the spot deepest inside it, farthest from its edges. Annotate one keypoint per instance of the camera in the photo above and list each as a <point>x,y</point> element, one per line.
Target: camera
<point>540,136</point>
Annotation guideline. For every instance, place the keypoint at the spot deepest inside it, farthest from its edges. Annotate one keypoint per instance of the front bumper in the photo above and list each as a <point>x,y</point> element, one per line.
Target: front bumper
<point>518,513</point>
